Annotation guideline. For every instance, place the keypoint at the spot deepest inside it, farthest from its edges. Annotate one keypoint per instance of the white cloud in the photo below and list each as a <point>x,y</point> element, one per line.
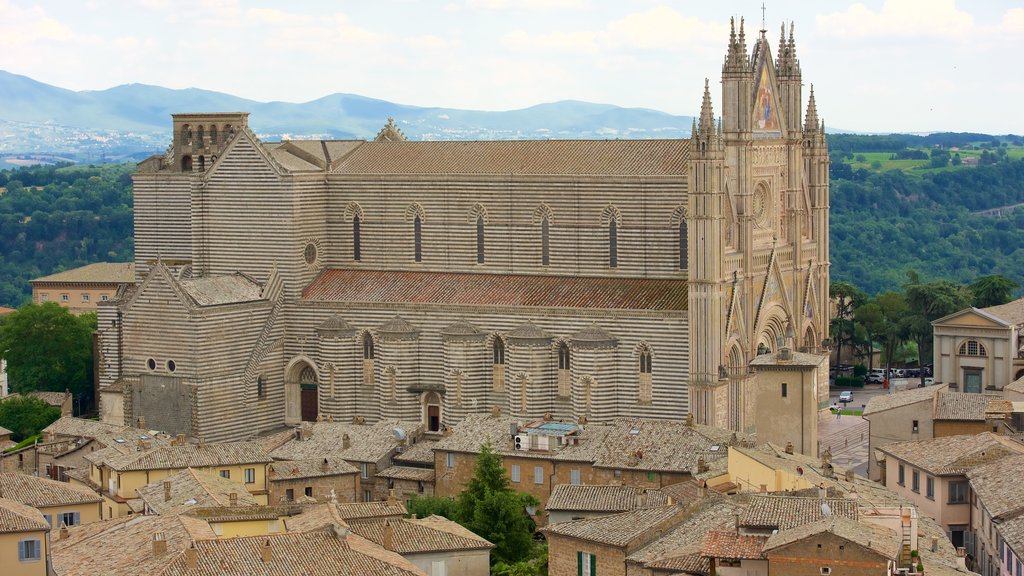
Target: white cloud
<point>26,26</point>
<point>582,41</point>
<point>300,32</point>
<point>899,19</point>
<point>427,42</point>
<point>527,5</point>
<point>662,28</point>
<point>1013,20</point>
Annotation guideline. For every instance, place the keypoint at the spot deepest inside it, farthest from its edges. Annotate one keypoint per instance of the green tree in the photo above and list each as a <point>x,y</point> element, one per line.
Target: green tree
<point>26,416</point>
<point>992,290</point>
<point>48,348</point>
<point>847,298</point>
<point>928,301</point>
<point>423,506</point>
<point>491,509</point>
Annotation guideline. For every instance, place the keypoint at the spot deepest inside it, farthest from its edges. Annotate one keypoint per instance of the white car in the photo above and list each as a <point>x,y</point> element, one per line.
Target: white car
<point>846,396</point>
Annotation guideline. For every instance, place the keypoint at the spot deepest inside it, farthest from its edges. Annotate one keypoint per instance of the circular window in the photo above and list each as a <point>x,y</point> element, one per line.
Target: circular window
<point>151,364</point>
<point>171,366</point>
<point>310,253</point>
<point>760,208</point>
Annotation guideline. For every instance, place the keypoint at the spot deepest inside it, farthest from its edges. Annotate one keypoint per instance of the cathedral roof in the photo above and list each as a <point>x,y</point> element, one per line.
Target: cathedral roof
<point>335,324</point>
<point>594,334</point>
<point>522,290</point>
<point>562,157</point>
<point>228,289</point>
<point>461,328</point>
<point>528,331</point>
<point>397,325</point>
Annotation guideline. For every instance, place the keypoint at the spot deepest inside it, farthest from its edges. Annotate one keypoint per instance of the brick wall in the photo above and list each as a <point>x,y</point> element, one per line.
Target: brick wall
<point>346,488</point>
<point>563,559</point>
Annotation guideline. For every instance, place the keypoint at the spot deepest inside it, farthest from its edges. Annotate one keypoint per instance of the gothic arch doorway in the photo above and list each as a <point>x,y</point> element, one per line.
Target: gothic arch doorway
<point>310,401</point>
<point>432,411</point>
<point>301,392</point>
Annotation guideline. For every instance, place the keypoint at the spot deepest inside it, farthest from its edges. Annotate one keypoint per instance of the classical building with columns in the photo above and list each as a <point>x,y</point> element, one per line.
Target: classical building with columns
<point>393,279</point>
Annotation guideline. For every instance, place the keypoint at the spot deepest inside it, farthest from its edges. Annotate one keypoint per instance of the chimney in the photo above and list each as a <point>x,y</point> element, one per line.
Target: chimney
<point>548,417</point>
<point>702,465</point>
<point>63,532</point>
<point>789,447</point>
<point>414,516</point>
<point>389,536</point>
<point>202,442</point>
<point>849,475</point>
<point>179,440</point>
<point>764,488</point>
<point>391,496</point>
<point>233,499</point>
<point>822,491</point>
<point>736,522</point>
<point>141,422</point>
<point>325,466</point>
<point>167,490</point>
<point>266,554</point>
<point>702,489</point>
<point>191,557</point>
<point>495,411</point>
<point>935,543</point>
<point>346,442</point>
<point>159,543</point>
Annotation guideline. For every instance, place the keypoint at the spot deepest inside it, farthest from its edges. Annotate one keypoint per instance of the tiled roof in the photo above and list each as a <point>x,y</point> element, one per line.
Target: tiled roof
<point>367,443</point>
<point>619,529</point>
<point>1012,312</point>
<point>240,513</point>
<point>431,534</point>
<point>962,406</point>
<point>456,288</point>
<point>686,492</point>
<point>1012,532</point>
<point>98,273</point>
<point>421,452</point>
<point>18,517</point>
<point>606,498</point>
<point>882,540</point>
<point>801,359</point>
<point>680,548</point>
<point>291,554</point>
<point>993,485</point>
<point>397,325</point>
<point>5,431</point>
<point>561,157</point>
<point>5,310</point>
<point>952,455</point>
<point>731,545</point>
<point>227,289</point>
<point>104,433</point>
<point>477,429</point>
<point>662,445</point>
<point>42,492</point>
<point>294,469</point>
<point>1016,386</point>
<point>315,517</point>
<point>52,398</point>
<point>184,456</point>
<point>527,331</point>
<point>784,512</point>
<point>407,473</point>
<point>593,334</point>
<point>190,489</point>
<point>363,510</point>
<point>460,328</point>
<point>884,402</point>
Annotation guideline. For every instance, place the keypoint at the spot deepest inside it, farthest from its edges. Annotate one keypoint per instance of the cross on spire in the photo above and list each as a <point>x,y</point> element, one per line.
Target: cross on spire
<point>763,16</point>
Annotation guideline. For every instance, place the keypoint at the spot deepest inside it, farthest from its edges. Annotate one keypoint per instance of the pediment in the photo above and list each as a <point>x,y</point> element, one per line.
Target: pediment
<point>971,317</point>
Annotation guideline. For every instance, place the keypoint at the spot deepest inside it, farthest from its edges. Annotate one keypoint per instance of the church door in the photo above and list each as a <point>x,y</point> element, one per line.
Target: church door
<point>433,418</point>
<point>310,407</point>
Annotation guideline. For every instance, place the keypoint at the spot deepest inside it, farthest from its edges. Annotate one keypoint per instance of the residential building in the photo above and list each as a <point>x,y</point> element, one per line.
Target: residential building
<point>434,544</point>
<point>80,289</point>
<point>792,383</point>
<point>579,501</point>
<point>313,480</point>
<point>413,471</point>
<point>60,503</point>
<point>189,489</point>
<point>980,349</point>
<point>5,439</point>
<point>68,440</point>
<point>24,540</point>
<point>897,417</point>
<point>997,506</point>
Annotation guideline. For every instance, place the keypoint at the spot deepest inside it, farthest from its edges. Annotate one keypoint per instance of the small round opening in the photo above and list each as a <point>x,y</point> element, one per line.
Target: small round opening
<point>310,253</point>
<point>171,366</point>
<point>151,364</point>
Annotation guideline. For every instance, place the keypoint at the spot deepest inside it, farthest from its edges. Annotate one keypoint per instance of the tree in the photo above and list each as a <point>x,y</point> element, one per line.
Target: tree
<point>48,348</point>
<point>847,298</point>
<point>26,416</point>
<point>423,506</point>
<point>992,290</point>
<point>928,301</point>
<point>491,509</point>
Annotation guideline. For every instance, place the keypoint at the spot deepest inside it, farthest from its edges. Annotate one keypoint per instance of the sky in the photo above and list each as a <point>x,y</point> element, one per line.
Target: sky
<point>876,65</point>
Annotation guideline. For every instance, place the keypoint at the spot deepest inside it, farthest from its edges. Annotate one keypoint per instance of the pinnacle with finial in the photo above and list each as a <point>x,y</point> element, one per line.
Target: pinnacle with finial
<point>811,121</point>
<point>707,114</point>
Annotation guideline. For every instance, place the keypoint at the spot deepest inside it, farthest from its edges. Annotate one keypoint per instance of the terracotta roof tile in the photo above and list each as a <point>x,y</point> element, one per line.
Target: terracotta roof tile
<point>42,492</point>
<point>421,452</point>
<point>603,498</point>
<point>962,406</point>
<point>18,517</point>
<point>680,547</point>
<point>98,273</point>
<point>619,529</point>
<point>883,402</point>
<point>989,483</point>
<point>367,442</point>
<point>431,534</point>
<point>407,473</point>
<point>294,469</point>
<point>377,286</point>
<point>882,540</point>
<point>731,545</point>
<point>190,489</point>
<point>364,510</point>
<point>228,289</point>
<point>1012,312</point>
<point>106,434</point>
<point>185,456</point>
<point>561,157</point>
<point>784,512</point>
<point>952,455</point>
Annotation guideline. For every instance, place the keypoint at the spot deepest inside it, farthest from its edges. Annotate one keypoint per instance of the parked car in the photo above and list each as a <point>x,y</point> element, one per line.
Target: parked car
<point>874,378</point>
<point>846,396</point>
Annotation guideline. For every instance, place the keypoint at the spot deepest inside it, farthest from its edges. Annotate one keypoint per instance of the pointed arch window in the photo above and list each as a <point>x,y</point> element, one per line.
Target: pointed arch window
<point>368,357</point>
<point>480,239</point>
<point>545,244</point>
<point>498,364</point>
<point>417,238</point>
<point>356,255</point>
<point>644,366</point>
<point>682,244</point>
<point>564,369</point>
<point>613,244</point>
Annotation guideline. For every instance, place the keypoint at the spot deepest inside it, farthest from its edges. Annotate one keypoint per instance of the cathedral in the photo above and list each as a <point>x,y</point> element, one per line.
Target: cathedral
<point>394,279</point>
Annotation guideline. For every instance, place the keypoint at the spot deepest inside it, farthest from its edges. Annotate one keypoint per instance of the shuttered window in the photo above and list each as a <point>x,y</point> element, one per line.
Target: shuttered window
<point>586,564</point>
<point>29,550</point>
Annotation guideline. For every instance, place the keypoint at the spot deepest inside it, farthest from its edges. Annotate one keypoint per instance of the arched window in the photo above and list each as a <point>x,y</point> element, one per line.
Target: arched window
<point>682,244</point>
<point>458,387</point>
<point>498,364</point>
<point>213,135</point>
<point>417,238</point>
<point>200,135</point>
<point>355,238</point>
<point>613,244</point>
<point>186,134</point>
<point>186,163</point>
<point>480,239</point>
<point>973,348</point>
<point>523,382</point>
<point>644,375</point>
<point>545,256</point>
<point>564,368</point>
<point>392,375</point>
<point>202,163</point>
<point>368,354</point>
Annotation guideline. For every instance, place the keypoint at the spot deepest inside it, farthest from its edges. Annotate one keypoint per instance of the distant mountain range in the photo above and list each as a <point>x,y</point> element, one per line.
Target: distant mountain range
<point>134,119</point>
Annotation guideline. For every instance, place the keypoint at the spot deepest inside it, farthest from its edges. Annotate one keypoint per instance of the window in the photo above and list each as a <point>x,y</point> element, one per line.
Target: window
<point>914,426</point>
<point>902,476</point>
<point>308,491</point>
<point>958,492</point>
<point>44,297</point>
<point>417,238</point>
<point>515,472</point>
<point>564,366</point>
<point>651,476</point>
<point>915,481</point>
<point>289,495</point>
<point>682,244</point>
<point>929,487</point>
<point>480,239</point>
<point>70,519</point>
<point>367,496</point>
<point>364,470</point>
<point>49,519</point>
<point>64,297</point>
<point>29,550</point>
<point>225,474</point>
<point>261,386</point>
<point>85,297</point>
<point>538,474</point>
<point>213,134</point>
<point>368,354</point>
<point>171,366</point>
<point>355,238</point>
<point>644,374</point>
<point>151,364</point>
<point>104,297</point>
<point>972,348</point>
<point>545,243</point>
<point>574,476</point>
<point>586,564</point>
<point>613,244</point>
<point>438,568</point>
<point>451,460</point>
<point>250,475</point>
<point>785,390</point>
<point>498,364</point>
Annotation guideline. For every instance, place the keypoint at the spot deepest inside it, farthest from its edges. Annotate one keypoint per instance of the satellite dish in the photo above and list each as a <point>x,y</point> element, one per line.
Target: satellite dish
<point>826,511</point>
<point>398,433</point>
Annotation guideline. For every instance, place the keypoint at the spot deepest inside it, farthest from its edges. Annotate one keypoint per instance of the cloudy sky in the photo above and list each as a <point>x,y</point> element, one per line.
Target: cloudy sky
<point>876,65</point>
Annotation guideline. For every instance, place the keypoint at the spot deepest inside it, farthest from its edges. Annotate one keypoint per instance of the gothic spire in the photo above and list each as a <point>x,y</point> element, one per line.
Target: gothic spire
<point>787,64</point>
<point>707,114</point>
<point>811,120</point>
<point>736,57</point>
